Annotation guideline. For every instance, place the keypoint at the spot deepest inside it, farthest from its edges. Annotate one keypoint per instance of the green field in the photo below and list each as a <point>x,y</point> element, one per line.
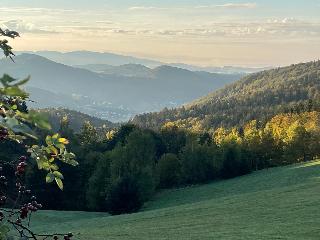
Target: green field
<point>279,203</point>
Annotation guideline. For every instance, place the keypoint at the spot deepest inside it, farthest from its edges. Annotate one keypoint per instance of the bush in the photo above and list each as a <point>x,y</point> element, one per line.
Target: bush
<point>197,164</point>
<point>233,163</point>
<point>97,186</point>
<point>124,196</point>
<point>136,158</point>
<point>169,169</point>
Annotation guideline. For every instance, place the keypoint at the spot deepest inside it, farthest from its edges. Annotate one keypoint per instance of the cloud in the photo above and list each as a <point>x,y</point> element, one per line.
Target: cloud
<point>285,21</point>
<point>145,8</point>
<point>105,22</point>
<point>229,6</point>
<point>273,29</point>
<point>221,6</point>
<point>22,10</point>
<point>138,25</point>
<point>23,27</point>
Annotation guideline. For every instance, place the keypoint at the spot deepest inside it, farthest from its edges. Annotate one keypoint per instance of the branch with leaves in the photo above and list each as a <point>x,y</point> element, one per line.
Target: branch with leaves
<point>19,124</point>
<point>4,43</point>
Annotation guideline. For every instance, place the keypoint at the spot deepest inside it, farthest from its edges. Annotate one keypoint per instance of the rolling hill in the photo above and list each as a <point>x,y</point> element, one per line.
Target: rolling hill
<point>108,95</point>
<point>88,57</point>
<point>76,119</point>
<point>256,96</point>
<point>278,203</point>
<point>128,70</point>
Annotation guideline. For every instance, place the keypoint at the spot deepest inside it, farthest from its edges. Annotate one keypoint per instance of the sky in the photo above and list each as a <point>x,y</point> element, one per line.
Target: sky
<point>201,32</point>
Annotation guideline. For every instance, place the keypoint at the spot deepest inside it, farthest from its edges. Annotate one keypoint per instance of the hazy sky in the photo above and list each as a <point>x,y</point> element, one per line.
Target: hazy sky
<point>202,32</point>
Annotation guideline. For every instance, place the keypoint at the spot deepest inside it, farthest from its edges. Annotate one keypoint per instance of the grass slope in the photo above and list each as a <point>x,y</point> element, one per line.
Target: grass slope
<point>279,203</point>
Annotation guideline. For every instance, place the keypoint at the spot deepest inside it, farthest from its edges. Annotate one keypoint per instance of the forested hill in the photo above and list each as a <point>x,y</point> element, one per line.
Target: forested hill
<point>256,96</point>
<point>75,119</point>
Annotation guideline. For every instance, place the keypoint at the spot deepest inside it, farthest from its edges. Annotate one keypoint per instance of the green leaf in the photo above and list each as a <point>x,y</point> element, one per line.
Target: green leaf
<point>17,127</point>
<point>61,147</point>
<point>69,158</point>
<point>58,174</point>
<point>39,120</point>
<point>48,140</point>
<point>56,136</point>
<point>54,167</point>
<point>53,150</point>
<point>22,82</point>
<point>14,92</point>
<point>59,183</point>
<point>73,163</point>
<point>46,166</point>
<point>6,79</point>
<point>49,177</point>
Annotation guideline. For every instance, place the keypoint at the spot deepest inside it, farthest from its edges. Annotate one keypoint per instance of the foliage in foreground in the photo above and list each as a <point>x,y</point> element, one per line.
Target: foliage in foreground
<point>18,128</point>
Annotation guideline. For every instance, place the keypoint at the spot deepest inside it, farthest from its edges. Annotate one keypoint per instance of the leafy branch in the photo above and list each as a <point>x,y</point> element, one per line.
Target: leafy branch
<point>18,124</point>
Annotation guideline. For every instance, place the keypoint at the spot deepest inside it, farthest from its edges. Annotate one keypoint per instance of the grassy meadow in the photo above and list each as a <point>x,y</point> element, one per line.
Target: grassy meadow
<point>279,203</point>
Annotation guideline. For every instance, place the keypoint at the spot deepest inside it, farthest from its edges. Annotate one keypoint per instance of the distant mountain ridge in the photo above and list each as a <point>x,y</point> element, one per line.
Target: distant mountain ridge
<point>112,96</point>
<point>88,57</point>
<point>91,60</point>
<point>128,70</point>
<point>224,69</point>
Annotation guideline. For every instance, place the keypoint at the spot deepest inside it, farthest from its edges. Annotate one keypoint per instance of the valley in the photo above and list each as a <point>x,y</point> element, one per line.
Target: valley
<point>116,94</point>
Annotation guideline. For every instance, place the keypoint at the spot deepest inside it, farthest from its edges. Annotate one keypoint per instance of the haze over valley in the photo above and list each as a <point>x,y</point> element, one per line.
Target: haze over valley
<point>116,93</point>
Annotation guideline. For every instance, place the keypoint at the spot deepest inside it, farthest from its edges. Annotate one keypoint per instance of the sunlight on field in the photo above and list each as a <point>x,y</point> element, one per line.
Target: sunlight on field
<point>314,163</point>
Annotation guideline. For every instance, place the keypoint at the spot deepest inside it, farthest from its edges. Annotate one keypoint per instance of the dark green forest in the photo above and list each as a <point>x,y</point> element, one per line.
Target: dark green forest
<point>119,172</point>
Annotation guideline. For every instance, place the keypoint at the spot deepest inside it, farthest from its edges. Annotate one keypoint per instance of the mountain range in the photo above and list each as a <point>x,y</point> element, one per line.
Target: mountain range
<point>115,93</point>
<point>91,60</point>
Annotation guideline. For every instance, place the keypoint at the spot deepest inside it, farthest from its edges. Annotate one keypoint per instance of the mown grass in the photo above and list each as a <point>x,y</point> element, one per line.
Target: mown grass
<point>279,203</point>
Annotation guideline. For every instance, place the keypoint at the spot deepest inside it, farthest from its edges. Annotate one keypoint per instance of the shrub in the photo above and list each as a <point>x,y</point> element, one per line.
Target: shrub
<point>233,163</point>
<point>124,196</point>
<point>197,164</point>
<point>169,169</point>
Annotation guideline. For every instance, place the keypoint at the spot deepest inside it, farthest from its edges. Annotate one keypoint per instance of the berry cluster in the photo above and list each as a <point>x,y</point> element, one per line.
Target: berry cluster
<point>3,133</point>
<point>21,167</point>
<point>22,210</point>
<point>30,207</point>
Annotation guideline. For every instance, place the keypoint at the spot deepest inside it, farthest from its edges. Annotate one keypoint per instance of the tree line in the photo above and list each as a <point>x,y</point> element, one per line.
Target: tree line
<point>121,169</point>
